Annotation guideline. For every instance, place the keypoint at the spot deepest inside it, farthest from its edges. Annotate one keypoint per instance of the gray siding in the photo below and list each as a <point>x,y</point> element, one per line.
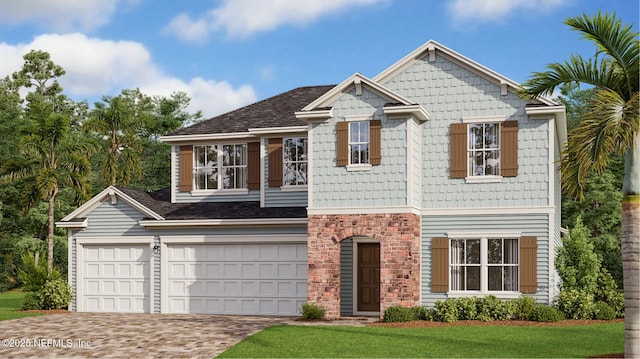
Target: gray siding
<point>157,257</point>
<point>73,273</point>
<point>109,220</point>
<point>450,92</point>
<point>416,157</point>
<point>383,185</point>
<point>187,197</point>
<point>275,197</point>
<point>528,224</point>
<point>346,277</point>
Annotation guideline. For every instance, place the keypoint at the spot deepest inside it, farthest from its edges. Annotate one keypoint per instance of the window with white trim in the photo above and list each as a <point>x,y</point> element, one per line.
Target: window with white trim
<point>484,149</point>
<point>220,166</point>
<point>359,142</point>
<point>294,161</point>
<point>484,264</point>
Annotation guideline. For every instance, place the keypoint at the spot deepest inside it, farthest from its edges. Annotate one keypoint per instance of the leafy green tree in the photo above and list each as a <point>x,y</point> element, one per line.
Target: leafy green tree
<point>52,157</point>
<point>118,121</point>
<point>611,125</point>
<point>170,113</point>
<point>576,261</point>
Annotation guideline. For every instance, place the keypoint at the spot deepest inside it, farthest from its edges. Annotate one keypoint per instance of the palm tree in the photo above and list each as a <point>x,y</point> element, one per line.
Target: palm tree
<point>609,126</point>
<point>119,121</point>
<point>51,156</point>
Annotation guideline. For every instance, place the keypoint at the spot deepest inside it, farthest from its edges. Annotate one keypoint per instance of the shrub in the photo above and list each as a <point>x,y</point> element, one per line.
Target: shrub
<point>56,294</point>
<point>577,263</point>
<point>607,291</point>
<point>446,311</point>
<point>419,312</point>
<point>312,311</point>
<point>523,307</point>
<point>543,313</point>
<point>34,274</point>
<point>430,314</point>
<point>603,311</point>
<point>32,301</point>
<point>491,308</point>
<point>467,308</point>
<point>397,313</point>
<point>575,304</point>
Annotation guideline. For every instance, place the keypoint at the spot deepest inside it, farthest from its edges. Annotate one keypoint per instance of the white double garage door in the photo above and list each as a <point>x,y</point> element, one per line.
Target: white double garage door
<point>212,278</point>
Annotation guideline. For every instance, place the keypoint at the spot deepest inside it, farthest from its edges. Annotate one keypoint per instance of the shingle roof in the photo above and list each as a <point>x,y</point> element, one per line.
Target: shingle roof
<point>276,111</point>
<point>160,202</point>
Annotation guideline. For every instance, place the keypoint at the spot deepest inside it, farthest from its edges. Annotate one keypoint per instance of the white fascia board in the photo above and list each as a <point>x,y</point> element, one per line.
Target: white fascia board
<point>206,137</point>
<point>432,45</point>
<point>315,115</point>
<point>362,210</point>
<point>73,224</point>
<point>277,130</point>
<point>417,111</point>
<point>361,80</point>
<point>110,191</point>
<point>226,239</point>
<point>226,222</point>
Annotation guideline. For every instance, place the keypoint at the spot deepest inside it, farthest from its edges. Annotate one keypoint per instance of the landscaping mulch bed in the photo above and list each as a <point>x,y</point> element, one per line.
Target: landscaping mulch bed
<point>45,312</point>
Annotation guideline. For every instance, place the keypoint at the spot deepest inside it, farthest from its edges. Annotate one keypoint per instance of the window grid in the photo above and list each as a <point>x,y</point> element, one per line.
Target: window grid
<point>484,149</point>
<point>484,265</point>
<point>220,166</point>
<point>359,142</point>
<point>294,161</point>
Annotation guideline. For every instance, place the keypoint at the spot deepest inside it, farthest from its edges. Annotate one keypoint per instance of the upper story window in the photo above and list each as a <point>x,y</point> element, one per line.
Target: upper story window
<point>359,142</point>
<point>484,265</point>
<point>294,161</point>
<point>484,149</point>
<point>220,166</point>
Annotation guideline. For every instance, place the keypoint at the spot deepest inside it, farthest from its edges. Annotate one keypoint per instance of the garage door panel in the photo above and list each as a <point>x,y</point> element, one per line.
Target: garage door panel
<point>269,279</point>
<point>116,278</point>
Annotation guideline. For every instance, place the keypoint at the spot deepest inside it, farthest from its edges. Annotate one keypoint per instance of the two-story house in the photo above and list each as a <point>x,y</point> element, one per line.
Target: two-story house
<point>431,180</point>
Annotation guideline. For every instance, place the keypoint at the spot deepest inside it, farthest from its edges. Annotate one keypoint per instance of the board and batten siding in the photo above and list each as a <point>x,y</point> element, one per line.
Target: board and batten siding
<point>450,92</point>
<point>346,277</point>
<point>437,226</point>
<point>382,185</point>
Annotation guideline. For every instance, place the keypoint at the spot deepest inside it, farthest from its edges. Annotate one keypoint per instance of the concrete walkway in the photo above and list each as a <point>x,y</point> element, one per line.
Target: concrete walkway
<point>97,335</point>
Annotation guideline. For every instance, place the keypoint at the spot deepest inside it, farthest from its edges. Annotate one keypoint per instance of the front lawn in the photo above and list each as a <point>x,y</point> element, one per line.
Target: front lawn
<point>287,341</point>
<point>11,303</point>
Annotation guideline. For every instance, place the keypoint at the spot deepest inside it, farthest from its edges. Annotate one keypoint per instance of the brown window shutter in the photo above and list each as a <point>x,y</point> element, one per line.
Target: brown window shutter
<point>509,149</point>
<point>342,131</point>
<point>186,168</point>
<point>528,265</point>
<point>458,150</point>
<point>375,145</point>
<point>253,165</point>
<point>275,162</point>
<point>440,265</point>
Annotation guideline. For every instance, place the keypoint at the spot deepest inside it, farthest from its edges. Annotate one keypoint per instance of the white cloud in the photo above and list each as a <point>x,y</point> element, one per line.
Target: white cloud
<point>97,67</point>
<point>60,15</point>
<point>242,18</point>
<point>497,10</point>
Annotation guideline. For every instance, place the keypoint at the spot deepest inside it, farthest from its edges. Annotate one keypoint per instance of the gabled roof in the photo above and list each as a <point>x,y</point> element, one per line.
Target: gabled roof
<point>157,208</point>
<point>431,48</point>
<point>276,111</point>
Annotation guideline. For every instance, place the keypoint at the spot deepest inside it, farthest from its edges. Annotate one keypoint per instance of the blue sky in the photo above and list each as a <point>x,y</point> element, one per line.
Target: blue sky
<point>227,53</point>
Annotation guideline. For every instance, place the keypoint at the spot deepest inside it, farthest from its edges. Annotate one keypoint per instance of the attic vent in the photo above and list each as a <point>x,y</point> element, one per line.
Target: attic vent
<point>358,84</point>
<point>114,198</point>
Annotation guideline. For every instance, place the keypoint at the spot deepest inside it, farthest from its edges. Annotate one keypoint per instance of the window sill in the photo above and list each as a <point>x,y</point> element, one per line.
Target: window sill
<point>221,192</point>
<point>302,188</point>
<point>501,295</point>
<point>483,179</point>
<point>365,167</point>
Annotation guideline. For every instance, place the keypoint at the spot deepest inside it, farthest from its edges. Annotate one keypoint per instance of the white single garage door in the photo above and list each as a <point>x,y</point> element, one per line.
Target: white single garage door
<point>116,278</point>
<point>251,279</point>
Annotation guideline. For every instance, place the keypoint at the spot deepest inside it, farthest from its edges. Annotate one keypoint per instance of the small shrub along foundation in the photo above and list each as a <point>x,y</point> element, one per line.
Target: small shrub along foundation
<point>312,311</point>
<point>485,309</point>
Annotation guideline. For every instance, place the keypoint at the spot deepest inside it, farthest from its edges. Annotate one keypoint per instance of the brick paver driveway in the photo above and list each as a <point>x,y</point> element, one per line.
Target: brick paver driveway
<point>127,335</point>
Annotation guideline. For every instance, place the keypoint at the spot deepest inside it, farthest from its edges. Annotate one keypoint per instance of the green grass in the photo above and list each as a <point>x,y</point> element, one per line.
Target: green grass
<point>286,341</point>
<point>10,303</point>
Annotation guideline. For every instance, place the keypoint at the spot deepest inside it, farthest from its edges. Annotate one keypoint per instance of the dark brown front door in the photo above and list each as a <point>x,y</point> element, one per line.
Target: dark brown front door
<point>368,277</point>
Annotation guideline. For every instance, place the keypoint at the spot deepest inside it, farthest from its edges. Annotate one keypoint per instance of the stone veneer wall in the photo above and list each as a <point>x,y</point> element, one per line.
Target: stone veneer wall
<point>399,237</point>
